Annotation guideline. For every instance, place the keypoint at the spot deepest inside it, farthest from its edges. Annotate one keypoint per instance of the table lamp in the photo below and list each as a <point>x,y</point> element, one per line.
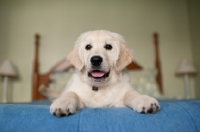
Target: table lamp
<point>185,68</point>
<point>6,70</point>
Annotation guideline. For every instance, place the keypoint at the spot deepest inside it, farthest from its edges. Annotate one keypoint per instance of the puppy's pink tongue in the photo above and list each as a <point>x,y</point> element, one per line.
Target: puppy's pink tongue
<point>97,74</point>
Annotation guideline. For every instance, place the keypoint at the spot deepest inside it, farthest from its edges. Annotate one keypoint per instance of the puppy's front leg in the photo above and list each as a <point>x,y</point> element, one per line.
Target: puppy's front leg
<point>141,103</point>
<point>67,104</point>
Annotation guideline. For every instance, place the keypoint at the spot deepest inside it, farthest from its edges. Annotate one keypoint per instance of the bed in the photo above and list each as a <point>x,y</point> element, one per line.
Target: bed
<point>63,66</point>
<point>174,115</point>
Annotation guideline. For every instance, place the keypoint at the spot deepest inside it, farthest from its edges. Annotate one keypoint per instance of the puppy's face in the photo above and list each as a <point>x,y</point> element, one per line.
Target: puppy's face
<point>98,54</point>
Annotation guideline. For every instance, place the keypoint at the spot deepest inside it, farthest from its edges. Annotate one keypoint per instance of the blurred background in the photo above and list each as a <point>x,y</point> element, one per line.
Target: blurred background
<point>60,22</point>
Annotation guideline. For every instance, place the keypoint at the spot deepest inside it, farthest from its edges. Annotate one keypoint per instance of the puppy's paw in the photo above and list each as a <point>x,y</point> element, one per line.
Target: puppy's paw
<point>64,107</point>
<point>146,104</point>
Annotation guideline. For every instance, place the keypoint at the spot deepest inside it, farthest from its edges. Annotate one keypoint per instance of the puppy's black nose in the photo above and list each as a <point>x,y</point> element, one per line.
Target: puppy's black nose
<point>96,60</point>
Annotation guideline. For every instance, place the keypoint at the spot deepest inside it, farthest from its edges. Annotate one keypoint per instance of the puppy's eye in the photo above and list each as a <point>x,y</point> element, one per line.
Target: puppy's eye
<point>108,47</point>
<point>88,47</point>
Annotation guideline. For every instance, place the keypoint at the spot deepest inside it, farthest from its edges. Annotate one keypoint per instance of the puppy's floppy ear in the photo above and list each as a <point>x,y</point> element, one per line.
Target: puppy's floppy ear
<point>125,55</point>
<point>75,59</point>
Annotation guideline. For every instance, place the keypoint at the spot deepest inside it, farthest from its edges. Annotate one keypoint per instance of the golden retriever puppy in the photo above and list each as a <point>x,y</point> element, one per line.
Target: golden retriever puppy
<point>99,80</point>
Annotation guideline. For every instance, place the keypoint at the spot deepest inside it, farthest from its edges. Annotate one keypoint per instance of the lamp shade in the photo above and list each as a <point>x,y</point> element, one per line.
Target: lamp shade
<point>185,67</point>
<point>7,69</point>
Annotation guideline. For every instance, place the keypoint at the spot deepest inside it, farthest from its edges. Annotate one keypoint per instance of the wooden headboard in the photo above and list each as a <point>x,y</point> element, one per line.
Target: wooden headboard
<point>39,79</point>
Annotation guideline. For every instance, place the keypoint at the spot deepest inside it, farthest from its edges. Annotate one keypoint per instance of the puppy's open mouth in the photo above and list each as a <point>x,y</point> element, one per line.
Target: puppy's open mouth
<point>98,75</point>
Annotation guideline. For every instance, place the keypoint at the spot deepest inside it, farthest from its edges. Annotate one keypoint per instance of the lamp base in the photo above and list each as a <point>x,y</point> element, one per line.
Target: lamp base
<point>187,89</point>
<point>5,89</point>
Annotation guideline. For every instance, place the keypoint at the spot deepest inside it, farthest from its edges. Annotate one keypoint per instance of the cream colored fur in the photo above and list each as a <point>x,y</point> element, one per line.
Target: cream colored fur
<point>114,91</point>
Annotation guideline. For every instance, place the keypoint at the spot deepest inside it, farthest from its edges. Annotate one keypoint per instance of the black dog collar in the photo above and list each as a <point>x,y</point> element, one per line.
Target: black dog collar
<point>94,88</point>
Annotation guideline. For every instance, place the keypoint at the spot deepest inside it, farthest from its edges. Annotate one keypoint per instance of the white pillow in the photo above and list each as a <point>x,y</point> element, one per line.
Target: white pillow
<point>144,82</point>
<point>60,79</point>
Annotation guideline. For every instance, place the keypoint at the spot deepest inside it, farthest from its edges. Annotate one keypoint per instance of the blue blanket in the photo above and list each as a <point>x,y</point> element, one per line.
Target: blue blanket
<point>174,116</point>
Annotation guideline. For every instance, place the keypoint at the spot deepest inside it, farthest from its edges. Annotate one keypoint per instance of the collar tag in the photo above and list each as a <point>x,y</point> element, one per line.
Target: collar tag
<point>94,88</point>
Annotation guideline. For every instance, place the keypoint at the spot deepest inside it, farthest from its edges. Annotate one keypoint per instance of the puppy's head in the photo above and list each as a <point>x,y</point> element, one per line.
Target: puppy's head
<point>99,54</point>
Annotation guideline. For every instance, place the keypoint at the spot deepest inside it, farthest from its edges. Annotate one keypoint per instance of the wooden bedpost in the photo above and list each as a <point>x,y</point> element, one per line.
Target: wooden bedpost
<point>158,63</point>
<point>38,79</point>
<point>35,76</point>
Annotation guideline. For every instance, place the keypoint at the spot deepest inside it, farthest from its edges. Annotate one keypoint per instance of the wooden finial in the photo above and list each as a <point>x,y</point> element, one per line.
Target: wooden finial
<point>155,35</point>
<point>37,36</point>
